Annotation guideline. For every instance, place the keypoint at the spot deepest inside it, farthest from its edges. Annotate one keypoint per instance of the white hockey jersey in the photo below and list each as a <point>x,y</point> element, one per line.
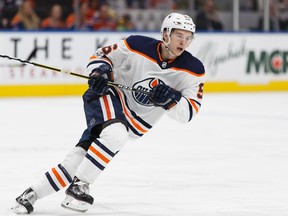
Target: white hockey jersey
<point>137,62</point>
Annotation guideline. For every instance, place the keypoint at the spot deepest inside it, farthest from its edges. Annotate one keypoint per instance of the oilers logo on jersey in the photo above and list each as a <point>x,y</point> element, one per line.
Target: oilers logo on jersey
<point>146,85</point>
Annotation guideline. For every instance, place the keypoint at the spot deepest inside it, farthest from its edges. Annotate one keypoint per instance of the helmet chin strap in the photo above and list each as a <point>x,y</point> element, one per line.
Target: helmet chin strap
<point>167,47</point>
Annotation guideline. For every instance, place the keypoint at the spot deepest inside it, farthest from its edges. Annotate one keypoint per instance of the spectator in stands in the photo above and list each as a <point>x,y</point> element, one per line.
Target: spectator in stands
<point>82,21</point>
<point>93,6</point>
<point>4,23</point>
<point>139,4</point>
<point>161,4</point>
<point>54,21</point>
<point>8,4</point>
<point>208,19</point>
<point>8,8</point>
<point>26,18</point>
<point>104,20</point>
<point>181,4</point>
<point>283,15</point>
<point>274,22</point>
<point>283,4</point>
<point>248,5</point>
<point>125,23</point>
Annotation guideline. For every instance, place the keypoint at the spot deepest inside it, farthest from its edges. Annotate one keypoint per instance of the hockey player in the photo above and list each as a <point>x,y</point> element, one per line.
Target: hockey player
<point>172,76</point>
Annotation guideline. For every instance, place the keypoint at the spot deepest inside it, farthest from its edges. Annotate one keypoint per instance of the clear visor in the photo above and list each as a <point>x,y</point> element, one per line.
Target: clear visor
<point>181,37</point>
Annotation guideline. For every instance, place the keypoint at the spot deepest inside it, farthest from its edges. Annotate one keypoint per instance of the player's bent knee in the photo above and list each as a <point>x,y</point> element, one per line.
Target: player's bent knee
<point>115,136</point>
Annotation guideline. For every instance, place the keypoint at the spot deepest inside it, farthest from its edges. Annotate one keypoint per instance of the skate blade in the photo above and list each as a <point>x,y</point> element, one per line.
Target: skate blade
<point>19,209</point>
<point>75,205</point>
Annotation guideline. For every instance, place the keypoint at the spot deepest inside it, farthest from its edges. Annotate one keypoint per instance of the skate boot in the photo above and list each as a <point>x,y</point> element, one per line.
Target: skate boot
<point>77,196</point>
<point>24,203</point>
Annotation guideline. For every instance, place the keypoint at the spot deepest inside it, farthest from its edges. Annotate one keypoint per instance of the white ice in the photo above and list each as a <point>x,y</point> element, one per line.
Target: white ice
<point>231,160</point>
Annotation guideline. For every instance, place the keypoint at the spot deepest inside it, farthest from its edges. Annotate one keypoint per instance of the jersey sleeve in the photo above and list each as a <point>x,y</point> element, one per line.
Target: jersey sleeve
<point>114,55</point>
<point>190,103</point>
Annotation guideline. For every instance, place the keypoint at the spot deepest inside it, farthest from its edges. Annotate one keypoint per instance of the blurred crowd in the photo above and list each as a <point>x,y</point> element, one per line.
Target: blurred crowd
<point>103,15</point>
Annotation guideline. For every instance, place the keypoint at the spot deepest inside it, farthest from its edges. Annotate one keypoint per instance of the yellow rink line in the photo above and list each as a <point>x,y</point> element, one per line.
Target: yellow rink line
<point>79,89</point>
<point>42,90</point>
<point>236,87</point>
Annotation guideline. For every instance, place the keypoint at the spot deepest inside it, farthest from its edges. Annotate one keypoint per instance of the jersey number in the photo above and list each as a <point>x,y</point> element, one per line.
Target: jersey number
<point>106,50</point>
<point>200,91</point>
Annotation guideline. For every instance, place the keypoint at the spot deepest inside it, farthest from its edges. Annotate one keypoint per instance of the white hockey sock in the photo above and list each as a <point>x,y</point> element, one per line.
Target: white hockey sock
<point>101,152</point>
<point>59,176</point>
<point>95,161</point>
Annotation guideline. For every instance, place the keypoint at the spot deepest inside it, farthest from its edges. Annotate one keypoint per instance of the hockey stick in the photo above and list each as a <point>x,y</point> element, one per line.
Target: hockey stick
<point>32,54</point>
<point>74,74</point>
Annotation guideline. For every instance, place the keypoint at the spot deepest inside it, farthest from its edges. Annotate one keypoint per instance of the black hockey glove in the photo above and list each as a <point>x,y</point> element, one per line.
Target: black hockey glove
<point>98,82</point>
<point>164,96</point>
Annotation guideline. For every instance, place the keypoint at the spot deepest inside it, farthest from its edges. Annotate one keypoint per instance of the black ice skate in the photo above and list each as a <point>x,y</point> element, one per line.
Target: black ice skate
<point>24,203</point>
<point>77,196</point>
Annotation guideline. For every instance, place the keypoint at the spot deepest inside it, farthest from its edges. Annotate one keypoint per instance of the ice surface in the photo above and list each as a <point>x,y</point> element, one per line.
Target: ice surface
<point>231,160</point>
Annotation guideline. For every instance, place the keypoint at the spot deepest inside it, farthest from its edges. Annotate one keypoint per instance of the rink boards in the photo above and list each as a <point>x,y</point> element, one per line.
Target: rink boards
<point>233,61</point>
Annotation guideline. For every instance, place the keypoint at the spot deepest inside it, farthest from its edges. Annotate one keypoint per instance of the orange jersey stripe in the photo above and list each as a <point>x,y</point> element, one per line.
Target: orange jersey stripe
<point>101,156</point>
<point>108,111</point>
<point>194,105</point>
<point>159,54</point>
<point>131,119</point>
<point>58,177</point>
<point>158,51</point>
<point>188,71</point>
<point>153,60</point>
<point>140,53</point>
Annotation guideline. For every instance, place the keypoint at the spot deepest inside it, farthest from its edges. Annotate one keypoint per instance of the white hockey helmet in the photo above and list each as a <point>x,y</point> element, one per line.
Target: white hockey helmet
<point>177,21</point>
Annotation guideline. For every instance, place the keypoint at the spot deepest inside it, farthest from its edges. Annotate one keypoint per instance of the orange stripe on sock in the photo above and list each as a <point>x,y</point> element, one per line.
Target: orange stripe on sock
<point>108,111</point>
<point>59,178</point>
<point>101,156</point>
